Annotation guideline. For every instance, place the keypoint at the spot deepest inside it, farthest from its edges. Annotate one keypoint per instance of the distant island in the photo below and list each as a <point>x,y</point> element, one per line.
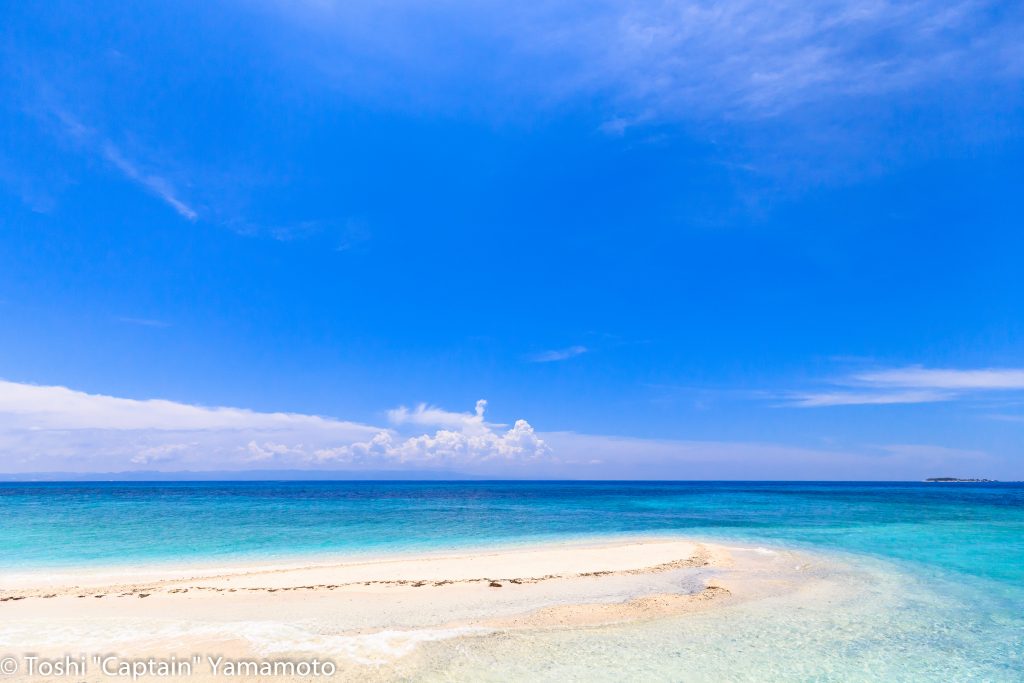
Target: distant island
<point>956,479</point>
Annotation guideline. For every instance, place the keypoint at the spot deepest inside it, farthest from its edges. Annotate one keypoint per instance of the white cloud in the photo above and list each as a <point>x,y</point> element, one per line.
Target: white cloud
<point>164,453</point>
<point>662,59</point>
<point>911,384</point>
<point>55,429</point>
<point>945,378</point>
<point>30,406</point>
<point>855,398</point>
<point>431,416</point>
<point>754,57</point>
<point>269,450</point>
<point>158,185</point>
<point>558,354</point>
<point>52,428</point>
<point>467,440</point>
<point>519,445</point>
<point>93,142</point>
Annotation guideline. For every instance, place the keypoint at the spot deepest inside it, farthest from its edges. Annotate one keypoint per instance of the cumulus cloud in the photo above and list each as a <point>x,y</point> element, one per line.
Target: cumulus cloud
<point>465,440</point>
<point>53,428</point>
<point>431,416</point>
<point>519,445</point>
<point>164,453</point>
<point>269,450</point>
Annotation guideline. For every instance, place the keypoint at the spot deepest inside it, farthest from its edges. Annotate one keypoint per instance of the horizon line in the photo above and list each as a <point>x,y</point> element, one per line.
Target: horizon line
<point>69,478</point>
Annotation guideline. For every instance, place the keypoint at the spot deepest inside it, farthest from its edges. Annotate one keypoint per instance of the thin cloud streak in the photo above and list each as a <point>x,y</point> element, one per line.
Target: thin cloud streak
<point>95,143</point>
<point>945,378</point>
<point>556,355</point>
<point>37,407</point>
<point>911,384</point>
<point>157,185</point>
<point>839,398</point>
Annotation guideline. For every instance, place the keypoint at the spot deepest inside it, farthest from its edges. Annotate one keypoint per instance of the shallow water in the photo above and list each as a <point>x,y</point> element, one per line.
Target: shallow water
<point>883,625</point>
<point>932,574</point>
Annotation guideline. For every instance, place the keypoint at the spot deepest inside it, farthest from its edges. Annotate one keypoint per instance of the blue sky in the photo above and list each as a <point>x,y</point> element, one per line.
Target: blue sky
<point>676,239</point>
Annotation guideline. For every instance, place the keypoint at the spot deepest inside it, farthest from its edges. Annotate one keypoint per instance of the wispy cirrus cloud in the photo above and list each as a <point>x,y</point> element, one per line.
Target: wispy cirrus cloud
<point>667,59</point>
<point>157,185</point>
<point>93,142</point>
<point>555,355</point>
<point>145,169</point>
<point>755,58</point>
<point>864,398</point>
<point>75,119</point>
<point>911,384</point>
<point>799,93</point>
<point>982,379</point>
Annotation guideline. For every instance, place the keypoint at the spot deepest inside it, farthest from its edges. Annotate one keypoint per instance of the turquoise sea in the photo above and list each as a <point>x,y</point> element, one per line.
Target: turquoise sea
<point>939,567</point>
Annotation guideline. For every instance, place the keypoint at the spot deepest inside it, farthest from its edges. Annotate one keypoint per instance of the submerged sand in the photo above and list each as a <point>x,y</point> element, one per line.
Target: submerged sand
<point>370,618</point>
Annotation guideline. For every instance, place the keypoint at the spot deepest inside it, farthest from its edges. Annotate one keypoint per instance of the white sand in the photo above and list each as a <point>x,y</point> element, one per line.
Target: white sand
<point>371,616</point>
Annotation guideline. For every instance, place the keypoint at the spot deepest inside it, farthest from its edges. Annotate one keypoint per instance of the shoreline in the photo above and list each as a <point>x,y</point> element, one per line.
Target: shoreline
<point>157,570</point>
<point>372,615</point>
<point>597,555</point>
